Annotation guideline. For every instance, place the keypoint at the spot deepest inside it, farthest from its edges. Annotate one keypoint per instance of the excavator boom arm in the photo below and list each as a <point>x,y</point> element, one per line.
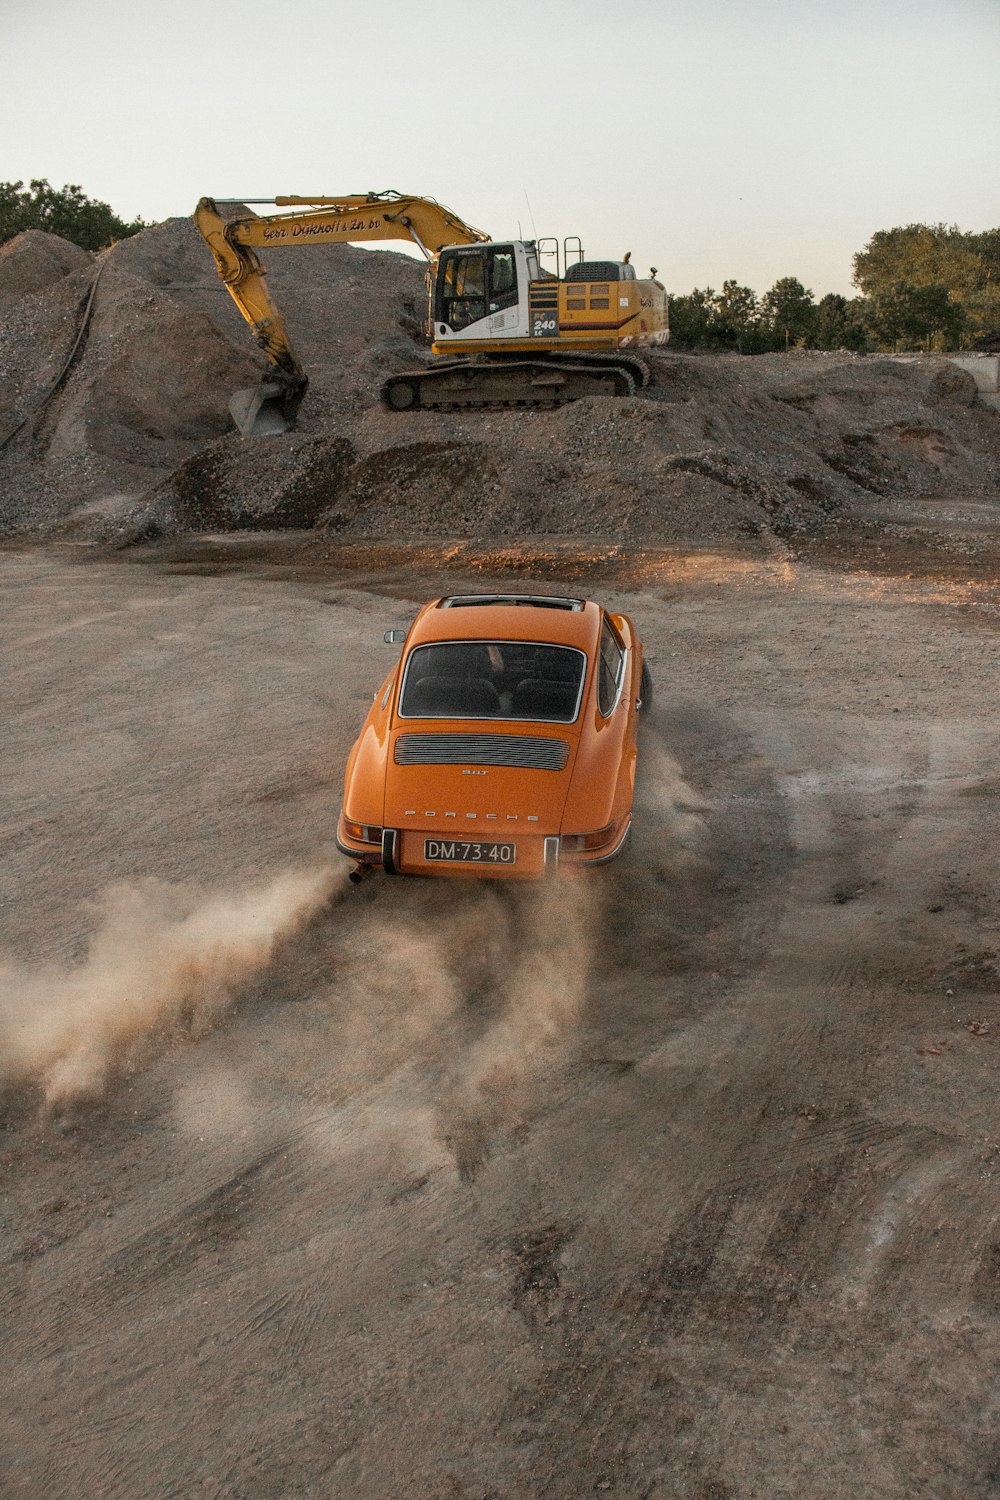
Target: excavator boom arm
<point>246,282</point>
<point>312,221</point>
<point>378,216</point>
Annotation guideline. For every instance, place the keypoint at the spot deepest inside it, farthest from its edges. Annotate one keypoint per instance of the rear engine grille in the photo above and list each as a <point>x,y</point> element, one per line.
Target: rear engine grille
<point>533,752</point>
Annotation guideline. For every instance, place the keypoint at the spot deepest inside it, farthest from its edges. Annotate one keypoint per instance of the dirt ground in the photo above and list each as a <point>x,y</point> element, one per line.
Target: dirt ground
<point>677,1182</point>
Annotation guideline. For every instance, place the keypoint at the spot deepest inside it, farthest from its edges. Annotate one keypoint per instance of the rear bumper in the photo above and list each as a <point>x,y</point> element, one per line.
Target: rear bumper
<point>606,856</point>
<point>365,854</point>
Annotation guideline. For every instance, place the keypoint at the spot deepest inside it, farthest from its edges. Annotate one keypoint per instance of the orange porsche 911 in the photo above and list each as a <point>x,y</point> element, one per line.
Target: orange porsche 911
<point>502,744</point>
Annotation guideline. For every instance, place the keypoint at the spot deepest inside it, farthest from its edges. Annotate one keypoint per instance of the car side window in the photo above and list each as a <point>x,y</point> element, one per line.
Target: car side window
<point>609,670</point>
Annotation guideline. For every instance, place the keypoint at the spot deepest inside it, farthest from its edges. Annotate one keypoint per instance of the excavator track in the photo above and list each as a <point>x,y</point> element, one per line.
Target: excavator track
<point>488,384</point>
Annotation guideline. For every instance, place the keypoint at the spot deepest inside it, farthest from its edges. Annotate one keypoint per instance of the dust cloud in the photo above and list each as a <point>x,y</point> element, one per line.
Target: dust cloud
<point>486,985</point>
<point>540,980</point>
<point>664,795</point>
<point>161,955</point>
<point>480,994</point>
<point>537,957</point>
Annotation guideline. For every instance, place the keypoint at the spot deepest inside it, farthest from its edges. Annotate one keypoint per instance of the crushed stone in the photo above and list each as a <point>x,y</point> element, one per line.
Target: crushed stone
<point>138,442</point>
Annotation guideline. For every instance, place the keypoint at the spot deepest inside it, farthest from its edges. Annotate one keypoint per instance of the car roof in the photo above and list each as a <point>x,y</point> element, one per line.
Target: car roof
<point>508,617</point>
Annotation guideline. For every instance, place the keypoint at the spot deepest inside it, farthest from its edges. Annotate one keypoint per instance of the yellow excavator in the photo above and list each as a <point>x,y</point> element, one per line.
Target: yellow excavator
<point>505,330</point>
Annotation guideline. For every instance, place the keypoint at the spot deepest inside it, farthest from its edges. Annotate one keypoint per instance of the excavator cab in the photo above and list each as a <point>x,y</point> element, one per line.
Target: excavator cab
<point>481,291</point>
<point>475,282</point>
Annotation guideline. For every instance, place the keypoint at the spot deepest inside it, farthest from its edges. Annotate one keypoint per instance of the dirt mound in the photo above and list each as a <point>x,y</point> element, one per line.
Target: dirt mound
<point>161,354</point>
<point>716,449</point>
<point>137,441</point>
<point>293,485</point>
<point>33,260</point>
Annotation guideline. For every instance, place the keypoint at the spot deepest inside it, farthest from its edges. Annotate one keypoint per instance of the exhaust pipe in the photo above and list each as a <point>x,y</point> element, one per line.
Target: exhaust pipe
<point>360,872</point>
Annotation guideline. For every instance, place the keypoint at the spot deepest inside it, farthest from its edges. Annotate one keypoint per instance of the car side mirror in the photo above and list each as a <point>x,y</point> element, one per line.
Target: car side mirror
<point>394,637</point>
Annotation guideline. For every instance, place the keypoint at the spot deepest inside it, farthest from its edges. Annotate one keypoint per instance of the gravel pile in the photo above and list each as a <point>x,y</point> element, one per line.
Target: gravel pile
<point>164,350</point>
<point>137,442</point>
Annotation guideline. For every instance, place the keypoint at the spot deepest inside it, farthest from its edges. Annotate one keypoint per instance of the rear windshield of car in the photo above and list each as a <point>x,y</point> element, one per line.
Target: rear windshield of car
<point>493,680</point>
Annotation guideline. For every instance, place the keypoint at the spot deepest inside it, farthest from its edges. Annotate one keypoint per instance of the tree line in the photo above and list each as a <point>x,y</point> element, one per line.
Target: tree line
<point>65,211</point>
<point>922,286</point>
<point>928,287</point>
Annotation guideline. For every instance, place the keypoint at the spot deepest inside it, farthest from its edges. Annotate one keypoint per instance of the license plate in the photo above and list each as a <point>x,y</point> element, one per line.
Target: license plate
<point>461,851</point>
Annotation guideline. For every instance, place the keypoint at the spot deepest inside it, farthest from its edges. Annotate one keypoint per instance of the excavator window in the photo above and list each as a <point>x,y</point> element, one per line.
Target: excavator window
<point>502,277</point>
<point>462,288</point>
<point>475,282</point>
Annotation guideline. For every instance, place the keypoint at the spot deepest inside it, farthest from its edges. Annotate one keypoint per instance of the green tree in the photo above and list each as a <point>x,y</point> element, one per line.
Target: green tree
<point>839,323</point>
<point>736,316</point>
<point>788,313</point>
<point>64,211</point>
<point>982,304</point>
<point>691,319</point>
<point>901,313</point>
<point>926,258</point>
<point>923,255</point>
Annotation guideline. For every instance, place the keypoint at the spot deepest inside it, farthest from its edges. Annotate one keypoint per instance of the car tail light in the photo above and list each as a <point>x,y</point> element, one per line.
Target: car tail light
<point>365,833</point>
<point>577,842</point>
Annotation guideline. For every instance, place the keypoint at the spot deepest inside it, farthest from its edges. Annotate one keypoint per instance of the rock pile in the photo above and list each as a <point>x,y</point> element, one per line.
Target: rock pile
<point>137,441</point>
<point>164,349</point>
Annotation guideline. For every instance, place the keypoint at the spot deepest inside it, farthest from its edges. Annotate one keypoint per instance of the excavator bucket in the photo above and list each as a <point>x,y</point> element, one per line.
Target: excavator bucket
<point>271,408</point>
<point>260,411</point>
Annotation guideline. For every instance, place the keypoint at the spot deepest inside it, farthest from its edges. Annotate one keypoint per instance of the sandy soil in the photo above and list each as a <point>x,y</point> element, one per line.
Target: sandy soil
<point>681,1182</point>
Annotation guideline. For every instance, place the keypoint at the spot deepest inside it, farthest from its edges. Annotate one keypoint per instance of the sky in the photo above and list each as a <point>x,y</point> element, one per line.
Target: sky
<point>715,139</point>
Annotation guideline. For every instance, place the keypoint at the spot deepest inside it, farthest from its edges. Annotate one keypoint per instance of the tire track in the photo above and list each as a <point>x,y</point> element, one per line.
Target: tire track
<point>754,1226</point>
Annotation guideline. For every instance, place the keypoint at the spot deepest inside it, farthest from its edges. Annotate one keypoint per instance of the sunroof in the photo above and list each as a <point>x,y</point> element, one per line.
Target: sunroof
<point>532,601</point>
